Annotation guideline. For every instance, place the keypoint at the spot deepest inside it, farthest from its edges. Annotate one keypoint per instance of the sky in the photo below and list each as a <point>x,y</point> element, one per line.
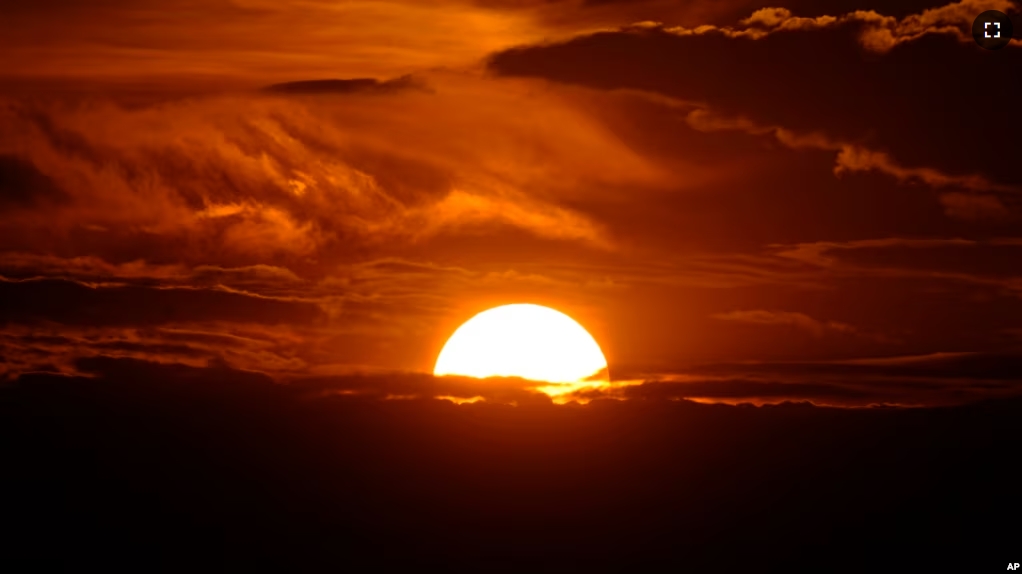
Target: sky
<point>797,201</point>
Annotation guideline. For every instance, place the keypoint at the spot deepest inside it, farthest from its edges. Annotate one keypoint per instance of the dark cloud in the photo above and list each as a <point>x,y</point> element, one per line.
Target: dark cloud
<point>941,379</point>
<point>912,380</point>
<point>1005,367</point>
<point>424,386</point>
<point>174,466</point>
<point>68,302</point>
<point>754,390</point>
<point>45,344</point>
<point>22,185</point>
<point>815,79</point>
<point>156,350</point>
<point>169,375</point>
<point>799,320</point>
<point>990,258</point>
<point>350,86</point>
<point>896,8</point>
<point>809,7</point>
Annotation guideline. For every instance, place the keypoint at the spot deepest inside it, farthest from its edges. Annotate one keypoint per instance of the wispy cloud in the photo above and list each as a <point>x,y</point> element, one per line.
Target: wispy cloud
<point>764,317</point>
<point>977,199</point>
<point>254,179</point>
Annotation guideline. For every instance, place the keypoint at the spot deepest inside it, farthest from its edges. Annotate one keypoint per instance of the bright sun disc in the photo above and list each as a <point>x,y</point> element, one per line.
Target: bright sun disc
<point>522,340</point>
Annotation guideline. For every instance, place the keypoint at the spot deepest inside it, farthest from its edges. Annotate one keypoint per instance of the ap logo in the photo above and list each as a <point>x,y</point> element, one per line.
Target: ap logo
<point>1012,566</point>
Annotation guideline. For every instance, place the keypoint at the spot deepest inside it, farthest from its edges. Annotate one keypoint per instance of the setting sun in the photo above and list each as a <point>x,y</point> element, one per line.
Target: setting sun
<point>522,340</point>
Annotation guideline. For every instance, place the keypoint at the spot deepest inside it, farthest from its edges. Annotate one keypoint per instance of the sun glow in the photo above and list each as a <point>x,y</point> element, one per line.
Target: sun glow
<point>527,341</point>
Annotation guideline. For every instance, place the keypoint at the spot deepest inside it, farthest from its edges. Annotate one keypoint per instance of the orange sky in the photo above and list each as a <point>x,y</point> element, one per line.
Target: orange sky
<point>794,201</point>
